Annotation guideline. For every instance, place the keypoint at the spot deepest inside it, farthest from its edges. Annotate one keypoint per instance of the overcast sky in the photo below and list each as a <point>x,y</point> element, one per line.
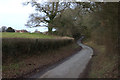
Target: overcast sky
<point>14,14</point>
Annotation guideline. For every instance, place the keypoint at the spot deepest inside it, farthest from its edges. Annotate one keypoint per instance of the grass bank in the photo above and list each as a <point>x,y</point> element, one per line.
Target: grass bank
<point>27,64</point>
<point>101,66</point>
<point>25,35</point>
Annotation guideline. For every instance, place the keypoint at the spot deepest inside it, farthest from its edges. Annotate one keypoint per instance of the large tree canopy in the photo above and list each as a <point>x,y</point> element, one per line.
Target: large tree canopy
<point>103,25</point>
<point>46,13</point>
<point>70,21</point>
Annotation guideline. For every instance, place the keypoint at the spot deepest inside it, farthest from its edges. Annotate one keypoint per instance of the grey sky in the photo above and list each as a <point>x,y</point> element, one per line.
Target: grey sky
<point>14,14</point>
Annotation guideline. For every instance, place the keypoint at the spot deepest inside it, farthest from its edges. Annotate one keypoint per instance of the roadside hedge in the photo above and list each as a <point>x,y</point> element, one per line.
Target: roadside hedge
<point>20,46</point>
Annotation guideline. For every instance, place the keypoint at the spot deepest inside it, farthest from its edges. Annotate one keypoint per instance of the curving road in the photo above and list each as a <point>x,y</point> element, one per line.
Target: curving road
<point>73,67</point>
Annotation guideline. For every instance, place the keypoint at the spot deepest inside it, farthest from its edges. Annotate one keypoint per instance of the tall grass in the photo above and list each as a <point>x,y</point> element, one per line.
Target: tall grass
<point>101,66</point>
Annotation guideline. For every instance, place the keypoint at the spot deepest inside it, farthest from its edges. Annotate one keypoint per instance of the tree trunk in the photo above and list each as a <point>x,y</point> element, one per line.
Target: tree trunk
<point>50,30</point>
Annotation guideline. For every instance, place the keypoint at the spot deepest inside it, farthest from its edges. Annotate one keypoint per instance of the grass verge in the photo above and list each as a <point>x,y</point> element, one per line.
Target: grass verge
<point>100,65</point>
<point>25,65</point>
<point>25,35</point>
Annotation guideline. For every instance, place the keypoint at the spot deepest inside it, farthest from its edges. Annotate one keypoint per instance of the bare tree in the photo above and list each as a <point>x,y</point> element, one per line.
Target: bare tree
<point>3,28</point>
<point>46,13</point>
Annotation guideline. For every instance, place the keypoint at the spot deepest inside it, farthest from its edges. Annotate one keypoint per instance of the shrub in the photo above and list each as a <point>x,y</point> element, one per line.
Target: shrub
<point>10,29</point>
<point>15,47</point>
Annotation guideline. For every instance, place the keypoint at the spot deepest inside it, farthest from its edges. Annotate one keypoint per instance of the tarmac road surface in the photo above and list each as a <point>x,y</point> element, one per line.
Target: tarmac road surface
<point>71,68</point>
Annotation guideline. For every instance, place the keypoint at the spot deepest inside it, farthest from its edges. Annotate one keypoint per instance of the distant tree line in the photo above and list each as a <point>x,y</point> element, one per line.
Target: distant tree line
<point>5,29</point>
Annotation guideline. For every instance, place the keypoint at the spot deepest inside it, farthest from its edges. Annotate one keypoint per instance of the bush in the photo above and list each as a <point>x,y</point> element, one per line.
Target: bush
<point>10,29</point>
<point>14,47</point>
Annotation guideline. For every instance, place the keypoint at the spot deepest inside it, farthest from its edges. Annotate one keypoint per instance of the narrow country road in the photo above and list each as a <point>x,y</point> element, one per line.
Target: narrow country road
<point>71,68</point>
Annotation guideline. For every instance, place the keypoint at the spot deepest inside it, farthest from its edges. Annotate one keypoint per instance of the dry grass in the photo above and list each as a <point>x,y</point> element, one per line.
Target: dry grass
<point>101,65</point>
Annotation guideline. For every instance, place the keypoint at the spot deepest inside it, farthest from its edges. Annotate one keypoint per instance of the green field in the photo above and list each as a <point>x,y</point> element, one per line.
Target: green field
<point>25,35</point>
